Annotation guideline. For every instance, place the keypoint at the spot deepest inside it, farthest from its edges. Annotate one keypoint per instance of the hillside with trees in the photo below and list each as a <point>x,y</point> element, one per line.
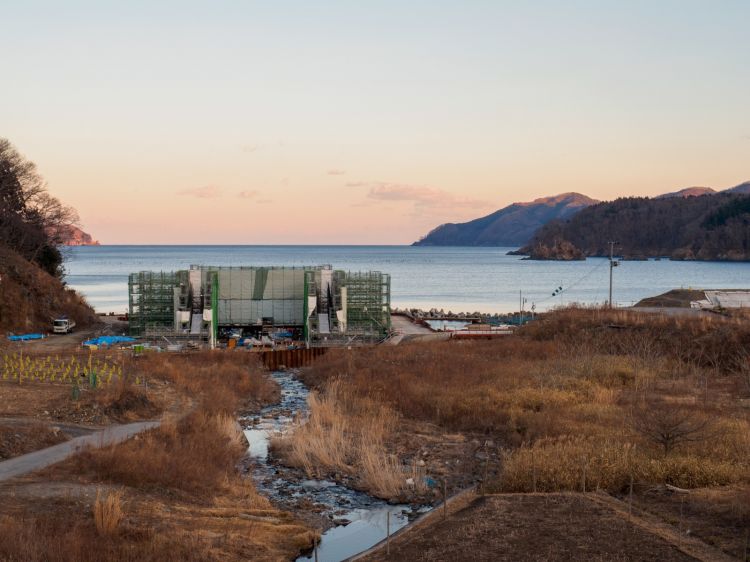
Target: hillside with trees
<point>708,227</point>
<point>32,228</point>
<point>74,236</point>
<point>513,225</point>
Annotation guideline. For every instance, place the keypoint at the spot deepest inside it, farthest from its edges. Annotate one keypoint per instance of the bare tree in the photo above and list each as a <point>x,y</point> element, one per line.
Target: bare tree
<point>669,425</point>
<point>32,222</point>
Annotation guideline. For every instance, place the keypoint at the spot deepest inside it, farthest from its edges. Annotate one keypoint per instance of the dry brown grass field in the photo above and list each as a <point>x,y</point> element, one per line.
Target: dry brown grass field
<point>173,493</point>
<point>581,400</point>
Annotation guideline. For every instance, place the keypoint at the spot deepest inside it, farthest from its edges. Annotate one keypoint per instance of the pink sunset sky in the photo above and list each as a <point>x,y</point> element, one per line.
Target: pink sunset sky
<point>368,122</point>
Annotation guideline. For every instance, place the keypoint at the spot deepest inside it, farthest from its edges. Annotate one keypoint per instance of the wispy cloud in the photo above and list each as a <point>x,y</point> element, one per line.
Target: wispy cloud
<point>204,192</point>
<point>249,148</point>
<point>336,172</point>
<point>248,194</point>
<point>420,195</point>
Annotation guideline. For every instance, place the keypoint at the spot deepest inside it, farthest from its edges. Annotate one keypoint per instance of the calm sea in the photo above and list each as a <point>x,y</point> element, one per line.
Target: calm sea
<point>456,279</point>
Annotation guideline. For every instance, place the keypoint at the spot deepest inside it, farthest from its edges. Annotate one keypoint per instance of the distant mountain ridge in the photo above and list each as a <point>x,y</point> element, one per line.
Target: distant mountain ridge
<point>742,188</point>
<point>688,192</point>
<point>714,226</point>
<point>516,224</point>
<point>513,225</point>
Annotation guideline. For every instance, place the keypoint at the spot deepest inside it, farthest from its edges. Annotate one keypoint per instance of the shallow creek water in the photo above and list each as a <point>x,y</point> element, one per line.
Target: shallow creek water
<point>360,519</point>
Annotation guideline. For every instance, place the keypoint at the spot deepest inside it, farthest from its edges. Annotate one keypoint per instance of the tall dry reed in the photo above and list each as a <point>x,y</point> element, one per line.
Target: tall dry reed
<point>108,512</point>
<point>345,434</point>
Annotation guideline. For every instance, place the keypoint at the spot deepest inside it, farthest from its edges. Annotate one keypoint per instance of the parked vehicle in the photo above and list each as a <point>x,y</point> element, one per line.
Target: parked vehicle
<point>63,325</point>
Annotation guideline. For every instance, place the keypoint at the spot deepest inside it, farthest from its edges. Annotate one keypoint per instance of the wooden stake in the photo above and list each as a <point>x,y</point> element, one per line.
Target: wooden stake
<point>630,499</point>
<point>445,499</point>
<point>583,469</point>
<point>682,504</point>
<point>388,533</point>
<point>486,463</point>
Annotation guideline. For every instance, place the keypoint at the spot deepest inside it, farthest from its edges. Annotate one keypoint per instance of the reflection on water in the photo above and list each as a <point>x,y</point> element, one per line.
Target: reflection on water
<point>447,325</point>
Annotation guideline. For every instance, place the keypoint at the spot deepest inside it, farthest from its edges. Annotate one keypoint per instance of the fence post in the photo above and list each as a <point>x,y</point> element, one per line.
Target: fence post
<point>388,532</point>
<point>445,499</point>
<point>486,467</point>
<point>630,499</point>
<point>583,479</point>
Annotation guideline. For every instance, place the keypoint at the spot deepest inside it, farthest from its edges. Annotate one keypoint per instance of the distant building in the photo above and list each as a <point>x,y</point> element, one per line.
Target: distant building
<point>319,305</point>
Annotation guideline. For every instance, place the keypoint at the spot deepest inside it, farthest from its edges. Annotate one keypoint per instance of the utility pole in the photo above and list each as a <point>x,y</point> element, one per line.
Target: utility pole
<point>521,302</point>
<point>613,263</point>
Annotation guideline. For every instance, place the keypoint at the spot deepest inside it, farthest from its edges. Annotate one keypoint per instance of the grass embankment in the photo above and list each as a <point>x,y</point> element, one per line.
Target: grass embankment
<point>676,298</point>
<point>582,399</point>
<point>173,493</point>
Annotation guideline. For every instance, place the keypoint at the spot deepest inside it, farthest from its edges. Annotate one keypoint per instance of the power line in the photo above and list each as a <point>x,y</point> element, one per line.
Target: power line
<point>561,289</point>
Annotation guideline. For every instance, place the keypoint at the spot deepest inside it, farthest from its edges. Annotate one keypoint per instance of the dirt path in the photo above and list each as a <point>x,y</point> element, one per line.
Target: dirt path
<point>408,331</point>
<point>74,430</point>
<point>52,455</point>
<point>404,325</point>
<point>57,343</point>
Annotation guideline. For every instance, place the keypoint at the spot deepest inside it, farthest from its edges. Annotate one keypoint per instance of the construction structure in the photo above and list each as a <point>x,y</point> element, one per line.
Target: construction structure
<point>722,299</point>
<point>318,305</point>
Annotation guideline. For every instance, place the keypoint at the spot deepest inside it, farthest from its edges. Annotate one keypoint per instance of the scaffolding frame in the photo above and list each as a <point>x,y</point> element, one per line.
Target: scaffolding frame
<point>356,310</point>
<point>151,300</point>
<point>368,303</point>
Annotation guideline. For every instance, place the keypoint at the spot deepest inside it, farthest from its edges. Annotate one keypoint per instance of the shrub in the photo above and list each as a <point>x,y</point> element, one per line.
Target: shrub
<point>108,512</point>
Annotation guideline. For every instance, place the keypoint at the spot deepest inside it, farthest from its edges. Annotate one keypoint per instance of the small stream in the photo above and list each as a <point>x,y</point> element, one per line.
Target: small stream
<point>359,519</point>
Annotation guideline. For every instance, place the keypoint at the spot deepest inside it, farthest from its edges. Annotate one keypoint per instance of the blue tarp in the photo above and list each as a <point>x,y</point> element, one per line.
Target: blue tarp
<point>25,337</point>
<point>109,340</point>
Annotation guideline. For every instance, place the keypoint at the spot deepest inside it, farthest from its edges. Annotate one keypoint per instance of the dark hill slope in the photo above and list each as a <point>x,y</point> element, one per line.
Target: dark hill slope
<point>511,226</point>
<point>30,298</point>
<point>709,227</point>
<point>742,188</point>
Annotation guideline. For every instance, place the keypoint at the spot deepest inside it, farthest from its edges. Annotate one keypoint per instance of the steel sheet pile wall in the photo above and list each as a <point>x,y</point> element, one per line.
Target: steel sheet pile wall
<point>249,294</point>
